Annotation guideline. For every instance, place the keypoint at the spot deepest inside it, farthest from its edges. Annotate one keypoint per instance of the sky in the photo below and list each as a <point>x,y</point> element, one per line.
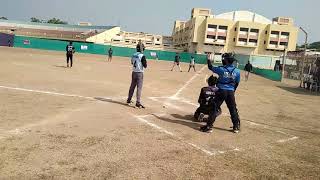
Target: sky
<point>158,16</point>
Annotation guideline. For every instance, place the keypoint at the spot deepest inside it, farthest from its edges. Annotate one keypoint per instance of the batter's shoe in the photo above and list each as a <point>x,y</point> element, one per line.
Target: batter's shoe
<point>236,129</point>
<point>129,103</point>
<point>140,106</point>
<point>206,129</point>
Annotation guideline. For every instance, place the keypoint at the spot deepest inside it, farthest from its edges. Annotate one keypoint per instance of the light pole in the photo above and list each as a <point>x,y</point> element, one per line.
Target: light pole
<point>304,55</point>
<point>283,63</point>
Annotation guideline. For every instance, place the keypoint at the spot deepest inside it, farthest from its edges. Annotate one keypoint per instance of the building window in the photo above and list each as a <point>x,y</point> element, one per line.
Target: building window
<point>266,32</point>
<point>211,37</point>
<point>222,37</point>
<point>254,30</point>
<point>223,27</point>
<point>274,42</point>
<point>244,29</point>
<point>212,26</point>
<point>275,32</point>
<point>264,42</point>
<point>234,39</point>
<point>253,40</point>
<point>285,33</point>
<point>242,39</point>
<point>283,43</point>
<point>158,39</point>
<point>235,29</point>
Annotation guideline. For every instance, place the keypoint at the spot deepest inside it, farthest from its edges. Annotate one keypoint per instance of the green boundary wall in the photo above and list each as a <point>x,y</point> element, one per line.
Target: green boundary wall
<point>266,73</point>
<point>82,47</point>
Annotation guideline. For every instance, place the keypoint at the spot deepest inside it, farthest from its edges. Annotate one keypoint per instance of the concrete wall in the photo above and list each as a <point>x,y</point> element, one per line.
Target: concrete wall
<point>105,36</point>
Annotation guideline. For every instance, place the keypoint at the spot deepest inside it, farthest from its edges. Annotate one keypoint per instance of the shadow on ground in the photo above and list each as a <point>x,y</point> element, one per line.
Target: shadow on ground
<point>111,101</point>
<point>300,91</point>
<point>58,66</point>
<point>186,120</point>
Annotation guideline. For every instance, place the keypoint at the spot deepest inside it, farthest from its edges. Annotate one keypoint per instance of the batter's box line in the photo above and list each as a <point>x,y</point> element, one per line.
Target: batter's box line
<point>213,152</point>
<point>183,100</point>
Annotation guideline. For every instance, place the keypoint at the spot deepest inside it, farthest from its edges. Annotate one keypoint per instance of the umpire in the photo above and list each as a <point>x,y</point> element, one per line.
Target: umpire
<point>229,79</point>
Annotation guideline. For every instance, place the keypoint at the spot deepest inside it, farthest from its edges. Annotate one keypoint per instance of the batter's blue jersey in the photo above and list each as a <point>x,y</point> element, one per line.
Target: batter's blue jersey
<point>229,76</point>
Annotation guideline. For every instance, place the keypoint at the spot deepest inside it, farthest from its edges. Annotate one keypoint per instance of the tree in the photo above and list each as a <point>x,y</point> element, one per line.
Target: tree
<point>36,20</point>
<point>314,45</point>
<point>56,21</point>
<point>4,18</point>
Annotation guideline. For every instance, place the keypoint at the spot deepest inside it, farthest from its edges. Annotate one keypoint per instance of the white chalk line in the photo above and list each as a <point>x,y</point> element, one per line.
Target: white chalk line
<point>289,139</point>
<point>161,129</point>
<point>59,94</point>
<point>187,83</point>
<point>25,128</point>
<point>166,103</point>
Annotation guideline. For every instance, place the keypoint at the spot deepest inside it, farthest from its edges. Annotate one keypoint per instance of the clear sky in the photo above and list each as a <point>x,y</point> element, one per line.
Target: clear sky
<point>158,16</point>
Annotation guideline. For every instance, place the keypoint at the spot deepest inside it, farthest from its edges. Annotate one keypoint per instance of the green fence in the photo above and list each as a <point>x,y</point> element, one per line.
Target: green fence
<point>266,73</point>
<point>82,47</point>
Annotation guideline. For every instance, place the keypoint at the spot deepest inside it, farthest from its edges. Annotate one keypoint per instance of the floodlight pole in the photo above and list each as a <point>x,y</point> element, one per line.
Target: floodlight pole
<point>304,55</point>
<point>283,63</point>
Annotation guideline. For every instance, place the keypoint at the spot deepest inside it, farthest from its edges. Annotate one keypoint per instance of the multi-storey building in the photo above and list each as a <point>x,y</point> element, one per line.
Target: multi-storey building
<point>242,32</point>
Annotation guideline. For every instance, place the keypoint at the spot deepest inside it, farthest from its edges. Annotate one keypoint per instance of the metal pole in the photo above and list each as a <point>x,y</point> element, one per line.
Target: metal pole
<point>283,63</point>
<point>304,55</point>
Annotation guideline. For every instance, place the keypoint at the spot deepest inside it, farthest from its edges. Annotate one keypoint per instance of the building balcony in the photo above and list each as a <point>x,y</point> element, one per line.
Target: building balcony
<point>222,31</point>
<point>210,41</point>
<point>253,37</point>
<point>241,43</point>
<point>252,44</point>
<point>211,29</point>
<point>284,37</point>
<point>244,36</point>
<point>284,40</point>
<point>274,39</point>
<point>220,41</point>
<point>253,34</point>
<point>211,33</point>
<point>224,34</point>
<point>274,36</point>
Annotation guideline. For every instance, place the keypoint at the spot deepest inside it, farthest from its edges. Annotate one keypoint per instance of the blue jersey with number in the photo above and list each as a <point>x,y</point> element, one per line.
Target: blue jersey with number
<point>229,76</point>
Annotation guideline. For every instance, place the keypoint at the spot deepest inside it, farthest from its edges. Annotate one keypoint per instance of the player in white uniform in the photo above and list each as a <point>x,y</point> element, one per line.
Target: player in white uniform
<point>192,64</point>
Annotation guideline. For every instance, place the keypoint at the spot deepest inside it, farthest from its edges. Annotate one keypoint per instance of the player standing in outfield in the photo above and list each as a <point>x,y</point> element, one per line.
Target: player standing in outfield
<point>248,69</point>
<point>110,52</point>
<point>139,62</point>
<point>192,64</point>
<point>176,62</point>
<point>229,79</point>
<point>140,45</point>
<point>70,51</point>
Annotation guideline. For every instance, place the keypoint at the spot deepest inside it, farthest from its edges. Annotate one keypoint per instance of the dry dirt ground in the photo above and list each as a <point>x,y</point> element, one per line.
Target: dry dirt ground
<point>59,123</point>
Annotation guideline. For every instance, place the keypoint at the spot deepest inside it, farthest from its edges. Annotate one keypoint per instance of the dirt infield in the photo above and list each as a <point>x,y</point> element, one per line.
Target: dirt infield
<point>59,123</point>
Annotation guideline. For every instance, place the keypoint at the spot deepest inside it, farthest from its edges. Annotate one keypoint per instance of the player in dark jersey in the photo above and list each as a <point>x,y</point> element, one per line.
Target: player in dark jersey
<point>248,69</point>
<point>70,51</point>
<point>206,100</point>
<point>110,53</point>
<point>176,62</point>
